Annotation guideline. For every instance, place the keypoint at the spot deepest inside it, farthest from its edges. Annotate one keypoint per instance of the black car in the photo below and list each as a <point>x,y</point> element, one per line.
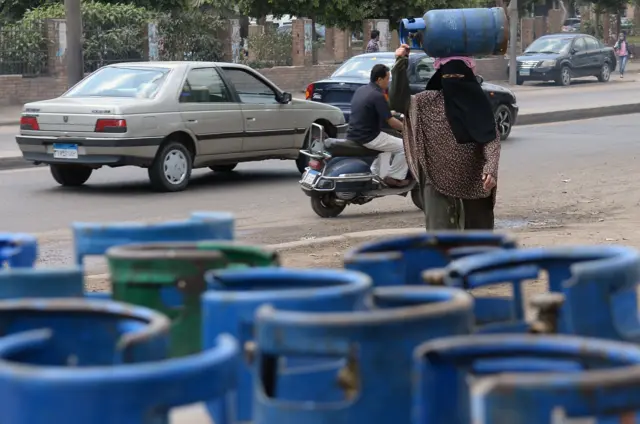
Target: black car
<point>338,89</point>
<point>560,57</point>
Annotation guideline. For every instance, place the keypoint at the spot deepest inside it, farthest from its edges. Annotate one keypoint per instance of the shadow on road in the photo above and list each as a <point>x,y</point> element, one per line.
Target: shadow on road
<point>201,182</point>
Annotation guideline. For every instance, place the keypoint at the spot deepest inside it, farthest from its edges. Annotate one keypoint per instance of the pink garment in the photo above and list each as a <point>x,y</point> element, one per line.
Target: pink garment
<point>622,49</point>
<point>471,63</point>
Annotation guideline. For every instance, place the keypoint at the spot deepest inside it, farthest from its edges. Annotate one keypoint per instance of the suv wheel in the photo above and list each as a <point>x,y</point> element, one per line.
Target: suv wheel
<point>70,175</point>
<point>565,76</point>
<point>171,168</point>
<point>504,120</point>
<point>605,73</point>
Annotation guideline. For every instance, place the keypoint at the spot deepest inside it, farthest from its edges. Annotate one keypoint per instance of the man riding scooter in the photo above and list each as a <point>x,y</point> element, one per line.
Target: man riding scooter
<point>369,110</point>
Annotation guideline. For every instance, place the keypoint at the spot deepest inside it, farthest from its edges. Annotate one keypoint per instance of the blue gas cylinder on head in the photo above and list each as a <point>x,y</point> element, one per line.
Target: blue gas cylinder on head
<point>465,32</point>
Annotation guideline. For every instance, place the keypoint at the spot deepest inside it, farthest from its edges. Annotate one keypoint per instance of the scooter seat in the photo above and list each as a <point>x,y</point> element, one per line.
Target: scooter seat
<point>341,147</point>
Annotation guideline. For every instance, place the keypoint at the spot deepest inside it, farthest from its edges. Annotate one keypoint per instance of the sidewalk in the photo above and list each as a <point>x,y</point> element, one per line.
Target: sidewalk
<point>10,115</point>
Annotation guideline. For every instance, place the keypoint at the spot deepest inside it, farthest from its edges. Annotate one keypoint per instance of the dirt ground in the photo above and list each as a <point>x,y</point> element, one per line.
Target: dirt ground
<point>600,232</point>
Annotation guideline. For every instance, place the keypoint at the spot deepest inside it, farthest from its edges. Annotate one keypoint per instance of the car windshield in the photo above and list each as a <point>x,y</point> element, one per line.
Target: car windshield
<point>360,67</point>
<point>549,45</point>
<point>141,83</point>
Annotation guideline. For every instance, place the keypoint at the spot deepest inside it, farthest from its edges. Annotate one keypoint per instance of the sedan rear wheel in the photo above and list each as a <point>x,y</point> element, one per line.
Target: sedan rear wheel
<point>504,120</point>
<point>70,175</point>
<point>171,168</point>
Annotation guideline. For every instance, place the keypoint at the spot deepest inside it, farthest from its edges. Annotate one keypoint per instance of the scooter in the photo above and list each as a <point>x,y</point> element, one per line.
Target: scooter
<point>339,174</point>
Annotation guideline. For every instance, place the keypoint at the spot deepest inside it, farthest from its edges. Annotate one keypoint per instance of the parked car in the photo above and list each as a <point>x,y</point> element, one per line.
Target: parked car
<point>561,57</point>
<point>571,24</point>
<point>339,87</point>
<point>169,117</point>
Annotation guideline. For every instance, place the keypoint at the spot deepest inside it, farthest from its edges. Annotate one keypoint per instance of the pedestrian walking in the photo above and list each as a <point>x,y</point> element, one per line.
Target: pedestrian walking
<point>451,142</point>
<point>623,51</point>
<point>373,46</point>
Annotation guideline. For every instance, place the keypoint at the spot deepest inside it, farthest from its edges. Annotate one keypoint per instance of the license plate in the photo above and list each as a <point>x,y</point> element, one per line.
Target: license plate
<point>310,177</point>
<point>65,151</point>
<point>525,71</point>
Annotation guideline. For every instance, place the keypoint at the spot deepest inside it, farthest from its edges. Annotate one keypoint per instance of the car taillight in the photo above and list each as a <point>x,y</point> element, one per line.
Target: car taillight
<point>309,92</point>
<point>29,123</point>
<point>111,125</point>
<point>316,165</point>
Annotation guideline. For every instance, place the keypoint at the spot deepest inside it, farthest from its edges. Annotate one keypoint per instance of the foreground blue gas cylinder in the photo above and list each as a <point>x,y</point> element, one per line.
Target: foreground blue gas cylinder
<point>230,304</point>
<point>465,32</point>
<point>95,238</point>
<point>398,261</point>
<point>18,283</point>
<point>377,344</point>
<point>18,250</point>
<point>37,387</point>
<point>561,264</point>
<point>524,378</point>
<point>88,332</point>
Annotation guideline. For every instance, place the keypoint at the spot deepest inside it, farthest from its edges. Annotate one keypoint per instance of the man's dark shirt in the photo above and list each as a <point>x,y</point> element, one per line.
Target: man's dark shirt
<point>369,111</point>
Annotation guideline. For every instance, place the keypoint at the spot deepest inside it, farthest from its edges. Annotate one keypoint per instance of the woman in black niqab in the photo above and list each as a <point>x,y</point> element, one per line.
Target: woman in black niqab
<point>467,107</point>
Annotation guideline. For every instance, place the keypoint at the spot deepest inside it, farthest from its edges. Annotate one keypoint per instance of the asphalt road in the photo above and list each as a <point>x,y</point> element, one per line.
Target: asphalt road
<point>545,171</point>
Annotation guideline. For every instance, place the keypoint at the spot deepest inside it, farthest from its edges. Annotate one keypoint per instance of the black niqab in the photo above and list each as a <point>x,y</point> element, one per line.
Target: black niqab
<point>466,105</point>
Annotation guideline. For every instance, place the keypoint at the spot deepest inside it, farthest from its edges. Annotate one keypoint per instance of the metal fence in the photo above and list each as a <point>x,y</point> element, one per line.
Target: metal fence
<point>105,46</point>
<point>24,49</point>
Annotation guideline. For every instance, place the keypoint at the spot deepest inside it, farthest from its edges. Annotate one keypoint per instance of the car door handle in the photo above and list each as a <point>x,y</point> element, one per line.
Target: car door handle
<point>192,121</point>
<point>251,119</point>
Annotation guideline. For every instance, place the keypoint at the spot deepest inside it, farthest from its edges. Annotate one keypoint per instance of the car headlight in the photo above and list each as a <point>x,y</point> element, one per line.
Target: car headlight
<point>547,64</point>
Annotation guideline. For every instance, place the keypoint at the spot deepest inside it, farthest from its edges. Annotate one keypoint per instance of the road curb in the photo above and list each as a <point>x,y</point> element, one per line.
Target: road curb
<point>315,242</point>
<point>577,114</point>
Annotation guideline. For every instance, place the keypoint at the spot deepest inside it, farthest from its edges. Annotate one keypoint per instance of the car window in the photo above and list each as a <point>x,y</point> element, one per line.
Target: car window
<point>424,69</point>
<point>592,43</point>
<point>553,45</point>
<point>141,83</point>
<point>250,89</point>
<point>360,66</point>
<point>204,85</point>
<point>579,45</point>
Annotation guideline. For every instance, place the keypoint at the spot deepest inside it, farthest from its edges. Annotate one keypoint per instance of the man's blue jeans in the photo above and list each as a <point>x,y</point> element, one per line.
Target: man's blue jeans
<point>623,63</point>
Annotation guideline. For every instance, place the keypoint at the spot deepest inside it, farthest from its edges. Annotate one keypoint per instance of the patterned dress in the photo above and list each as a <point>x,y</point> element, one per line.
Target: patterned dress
<point>432,152</point>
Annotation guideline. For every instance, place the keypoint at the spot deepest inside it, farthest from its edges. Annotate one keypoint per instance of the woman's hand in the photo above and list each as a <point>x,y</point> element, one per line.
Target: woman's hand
<point>403,50</point>
<point>489,182</point>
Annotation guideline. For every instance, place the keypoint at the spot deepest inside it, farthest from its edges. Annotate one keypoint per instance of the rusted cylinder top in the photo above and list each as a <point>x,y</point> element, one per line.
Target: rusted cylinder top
<point>170,277</point>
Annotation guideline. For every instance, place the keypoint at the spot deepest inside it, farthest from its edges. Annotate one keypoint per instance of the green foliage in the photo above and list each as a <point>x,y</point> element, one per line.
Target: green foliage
<point>112,33</point>
<point>190,35</point>
<point>270,49</point>
<point>23,49</point>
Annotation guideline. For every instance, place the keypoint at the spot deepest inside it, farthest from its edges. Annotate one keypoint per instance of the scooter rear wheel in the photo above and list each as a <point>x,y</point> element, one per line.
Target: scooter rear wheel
<point>326,207</point>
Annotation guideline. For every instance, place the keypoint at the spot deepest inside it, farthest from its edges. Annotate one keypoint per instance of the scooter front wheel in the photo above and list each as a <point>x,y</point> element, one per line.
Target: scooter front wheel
<point>416,197</point>
<point>326,206</point>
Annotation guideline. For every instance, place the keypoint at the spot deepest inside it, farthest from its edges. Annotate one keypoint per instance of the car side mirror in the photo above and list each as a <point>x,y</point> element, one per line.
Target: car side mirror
<point>480,79</point>
<point>285,98</point>
<point>573,51</point>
